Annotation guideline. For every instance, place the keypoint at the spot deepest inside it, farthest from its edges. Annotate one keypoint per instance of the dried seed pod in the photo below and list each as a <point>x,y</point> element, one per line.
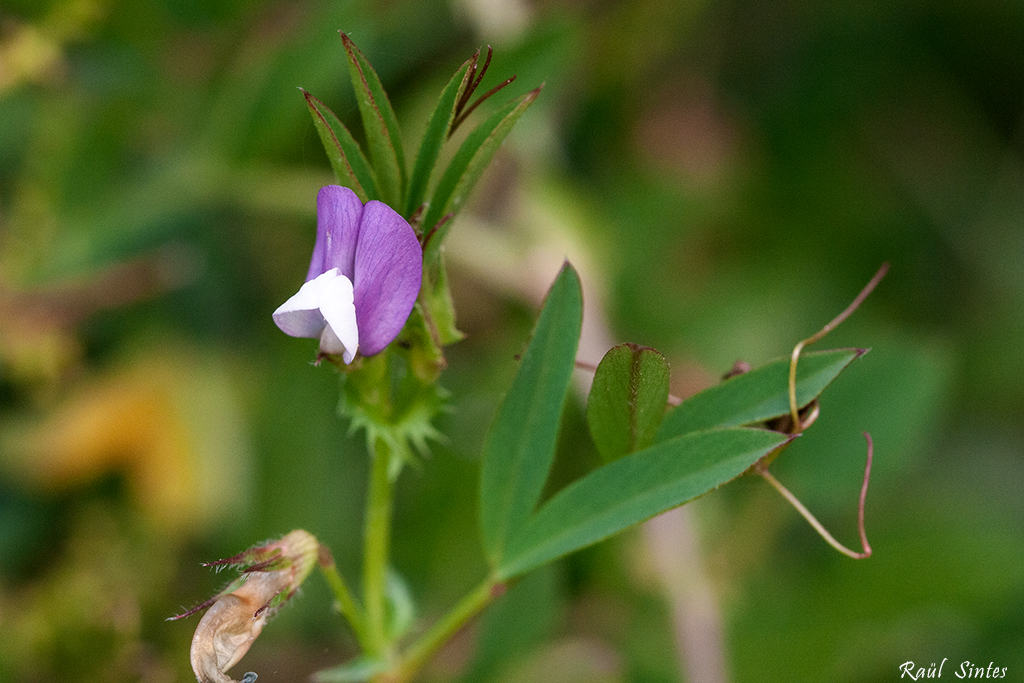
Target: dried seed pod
<point>273,573</point>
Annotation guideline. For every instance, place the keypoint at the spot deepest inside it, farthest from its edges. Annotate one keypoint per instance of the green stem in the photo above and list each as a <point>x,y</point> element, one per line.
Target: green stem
<point>420,651</point>
<point>344,600</point>
<point>377,539</point>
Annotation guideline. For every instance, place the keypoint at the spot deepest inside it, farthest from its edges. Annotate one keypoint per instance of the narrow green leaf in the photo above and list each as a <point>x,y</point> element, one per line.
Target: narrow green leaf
<point>758,395</point>
<point>521,442</point>
<point>632,489</point>
<point>627,400</point>
<point>356,670</point>
<point>437,296</point>
<point>418,343</point>
<point>350,166</point>
<point>401,606</point>
<point>468,165</point>
<point>380,124</point>
<point>434,137</point>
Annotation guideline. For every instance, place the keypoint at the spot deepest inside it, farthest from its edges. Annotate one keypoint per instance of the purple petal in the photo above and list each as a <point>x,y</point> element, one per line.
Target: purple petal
<point>338,212</point>
<point>388,275</point>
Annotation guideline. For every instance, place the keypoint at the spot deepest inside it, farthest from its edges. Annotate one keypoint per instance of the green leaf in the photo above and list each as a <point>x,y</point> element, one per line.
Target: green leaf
<point>401,606</point>
<point>380,125</point>
<point>627,400</point>
<point>758,395</point>
<point>361,668</point>
<point>521,442</point>
<point>468,165</point>
<point>434,137</point>
<point>418,343</point>
<point>437,297</point>
<point>632,489</point>
<point>350,166</point>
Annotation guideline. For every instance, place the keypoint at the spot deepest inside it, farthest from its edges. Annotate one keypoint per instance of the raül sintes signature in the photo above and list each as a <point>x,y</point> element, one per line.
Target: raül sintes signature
<point>966,669</point>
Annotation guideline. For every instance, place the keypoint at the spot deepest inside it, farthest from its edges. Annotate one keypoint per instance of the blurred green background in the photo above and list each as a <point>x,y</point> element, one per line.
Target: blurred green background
<point>727,174</point>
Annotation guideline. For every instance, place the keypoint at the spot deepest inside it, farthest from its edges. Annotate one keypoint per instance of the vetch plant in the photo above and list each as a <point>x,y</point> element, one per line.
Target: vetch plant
<point>376,297</point>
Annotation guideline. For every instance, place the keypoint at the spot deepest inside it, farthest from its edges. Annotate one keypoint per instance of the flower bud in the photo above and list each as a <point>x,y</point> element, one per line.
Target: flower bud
<point>272,574</point>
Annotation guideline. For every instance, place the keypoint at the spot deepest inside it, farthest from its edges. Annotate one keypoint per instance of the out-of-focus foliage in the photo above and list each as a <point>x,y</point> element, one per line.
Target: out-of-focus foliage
<point>726,175</point>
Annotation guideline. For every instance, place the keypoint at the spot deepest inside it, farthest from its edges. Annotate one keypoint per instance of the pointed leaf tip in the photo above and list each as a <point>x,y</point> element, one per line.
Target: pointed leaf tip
<point>347,160</point>
<point>520,444</point>
<point>435,135</point>
<point>380,124</point>
<point>758,395</point>
<point>469,164</point>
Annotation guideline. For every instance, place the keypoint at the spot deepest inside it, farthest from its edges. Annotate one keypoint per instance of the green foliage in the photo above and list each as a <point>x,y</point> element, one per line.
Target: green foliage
<point>521,442</point>
<point>401,606</point>
<point>627,400</point>
<point>383,177</point>
<point>350,166</point>
<point>758,395</point>
<point>468,165</point>
<point>701,448</point>
<point>380,125</point>
<point>358,669</point>
<point>434,136</point>
<point>632,489</point>
<point>728,211</point>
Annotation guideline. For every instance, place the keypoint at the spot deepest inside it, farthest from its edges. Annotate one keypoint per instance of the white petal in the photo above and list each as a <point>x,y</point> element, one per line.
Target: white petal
<point>338,309</point>
<point>300,316</point>
<point>329,343</point>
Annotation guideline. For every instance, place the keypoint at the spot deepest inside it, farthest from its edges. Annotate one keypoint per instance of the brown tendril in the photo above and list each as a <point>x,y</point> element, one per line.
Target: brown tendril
<point>797,424</point>
<point>794,410</point>
<point>585,366</point>
<point>761,468</point>
<point>480,100</point>
<point>474,76</point>
<point>472,80</point>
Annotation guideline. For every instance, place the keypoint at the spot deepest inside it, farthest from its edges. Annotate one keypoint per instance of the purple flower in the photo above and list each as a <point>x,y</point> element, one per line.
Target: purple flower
<point>363,280</point>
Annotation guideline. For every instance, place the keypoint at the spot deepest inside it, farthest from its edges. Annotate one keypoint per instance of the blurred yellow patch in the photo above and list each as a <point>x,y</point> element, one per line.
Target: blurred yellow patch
<point>33,52</point>
<point>169,423</point>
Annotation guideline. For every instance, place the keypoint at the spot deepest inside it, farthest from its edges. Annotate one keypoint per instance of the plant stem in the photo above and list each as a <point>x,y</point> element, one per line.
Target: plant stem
<point>377,540</point>
<point>429,643</point>
<point>344,600</point>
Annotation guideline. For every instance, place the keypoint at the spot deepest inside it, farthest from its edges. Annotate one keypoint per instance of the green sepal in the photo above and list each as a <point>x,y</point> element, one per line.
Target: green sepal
<point>383,396</point>
<point>420,344</point>
<point>437,298</point>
